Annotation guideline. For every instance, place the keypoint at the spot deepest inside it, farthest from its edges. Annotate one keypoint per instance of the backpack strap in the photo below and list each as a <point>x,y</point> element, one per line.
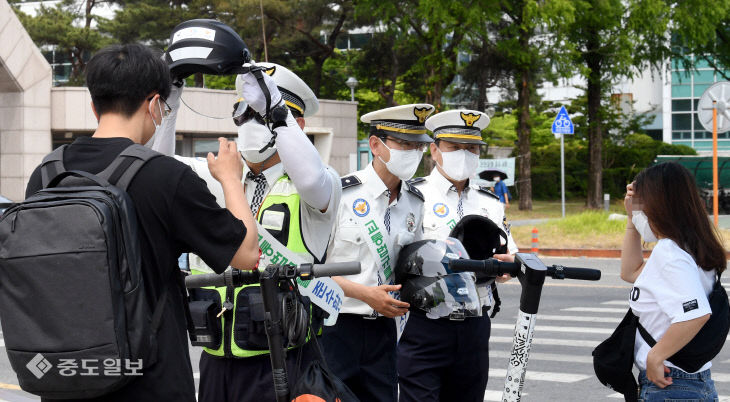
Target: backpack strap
<point>52,165</point>
<point>645,334</point>
<point>126,165</point>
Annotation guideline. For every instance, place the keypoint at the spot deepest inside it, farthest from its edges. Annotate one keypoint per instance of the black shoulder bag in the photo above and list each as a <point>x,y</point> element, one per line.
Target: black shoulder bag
<point>711,338</point>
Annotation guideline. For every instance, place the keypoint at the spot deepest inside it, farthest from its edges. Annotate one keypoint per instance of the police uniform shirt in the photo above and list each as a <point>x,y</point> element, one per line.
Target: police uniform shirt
<point>441,207</point>
<point>368,202</point>
<point>671,288</point>
<point>441,213</point>
<point>316,225</point>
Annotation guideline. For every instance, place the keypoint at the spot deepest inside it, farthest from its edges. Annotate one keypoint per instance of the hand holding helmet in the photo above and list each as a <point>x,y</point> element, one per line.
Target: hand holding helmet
<point>248,87</point>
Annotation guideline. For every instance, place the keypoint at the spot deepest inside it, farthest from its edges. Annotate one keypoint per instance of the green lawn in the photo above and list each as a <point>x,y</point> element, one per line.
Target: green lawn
<point>551,209</point>
<point>581,228</point>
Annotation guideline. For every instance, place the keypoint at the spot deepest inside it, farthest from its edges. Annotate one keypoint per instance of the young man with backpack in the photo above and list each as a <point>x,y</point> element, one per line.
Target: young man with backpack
<point>174,210</point>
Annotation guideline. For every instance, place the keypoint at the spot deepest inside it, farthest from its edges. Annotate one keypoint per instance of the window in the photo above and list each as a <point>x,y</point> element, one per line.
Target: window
<point>681,91</point>
<point>681,122</point>
<point>681,105</point>
<point>704,76</point>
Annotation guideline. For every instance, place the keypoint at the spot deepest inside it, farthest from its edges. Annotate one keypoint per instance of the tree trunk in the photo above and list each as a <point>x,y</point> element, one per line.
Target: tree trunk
<point>199,80</point>
<point>523,134</point>
<point>317,74</point>
<point>594,198</point>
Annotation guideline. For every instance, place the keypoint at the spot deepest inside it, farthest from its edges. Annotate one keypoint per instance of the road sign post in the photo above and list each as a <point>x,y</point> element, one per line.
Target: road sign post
<point>713,112</point>
<point>561,126</point>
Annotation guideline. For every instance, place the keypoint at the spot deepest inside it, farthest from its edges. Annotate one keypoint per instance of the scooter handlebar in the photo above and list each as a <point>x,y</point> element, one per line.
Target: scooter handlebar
<point>236,277</point>
<point>585,274</point>
<point>336,269</point>
<point>488,267</point>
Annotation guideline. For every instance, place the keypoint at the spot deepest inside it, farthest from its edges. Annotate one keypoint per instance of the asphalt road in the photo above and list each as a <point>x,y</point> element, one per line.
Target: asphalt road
<point>574,317</point>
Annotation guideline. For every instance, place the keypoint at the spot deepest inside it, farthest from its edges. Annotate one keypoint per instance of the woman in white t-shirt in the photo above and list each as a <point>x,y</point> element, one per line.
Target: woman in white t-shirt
<point>670,293</point>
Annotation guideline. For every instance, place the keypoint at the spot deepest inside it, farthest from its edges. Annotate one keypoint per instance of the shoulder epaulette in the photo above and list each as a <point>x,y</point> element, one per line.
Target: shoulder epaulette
<point>350,181</point>
<point>416,180</point>
<point>413,190</point>
<point>488,192</point>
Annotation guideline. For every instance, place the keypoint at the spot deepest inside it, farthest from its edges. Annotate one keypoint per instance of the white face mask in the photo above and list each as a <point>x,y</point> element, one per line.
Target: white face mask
<point>402,164</point>
<point>641,223</point>
<point>253,136</point>
<point>151,141</point>
<point>459,165</point>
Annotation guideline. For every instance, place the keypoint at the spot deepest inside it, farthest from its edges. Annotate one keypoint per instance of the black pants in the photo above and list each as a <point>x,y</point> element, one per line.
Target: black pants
<point>246,379</point>
<point>443,360</point>
<point>362,354</point>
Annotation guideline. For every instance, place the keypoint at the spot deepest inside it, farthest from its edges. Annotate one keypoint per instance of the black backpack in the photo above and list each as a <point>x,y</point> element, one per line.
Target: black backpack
<point>72,303</point>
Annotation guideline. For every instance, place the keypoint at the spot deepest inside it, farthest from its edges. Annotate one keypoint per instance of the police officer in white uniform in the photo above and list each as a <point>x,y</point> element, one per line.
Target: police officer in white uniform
<point>444,359</point>
<point>292,194</point>
<point>378,215</point>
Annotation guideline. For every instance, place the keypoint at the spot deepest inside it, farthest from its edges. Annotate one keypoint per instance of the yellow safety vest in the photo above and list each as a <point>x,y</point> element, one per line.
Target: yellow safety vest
<point>282,199</point>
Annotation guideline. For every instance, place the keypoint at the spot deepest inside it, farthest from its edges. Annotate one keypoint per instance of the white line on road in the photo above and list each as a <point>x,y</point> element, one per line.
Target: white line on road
<point>722,398</point>
<point>617,302</point>
<point>549,341</point>
<point>579,318</point>
<point>552,328</point>
<point>497,395</point>
<point>542,376</point>
<point>545,356</point>
<point>595,309</point>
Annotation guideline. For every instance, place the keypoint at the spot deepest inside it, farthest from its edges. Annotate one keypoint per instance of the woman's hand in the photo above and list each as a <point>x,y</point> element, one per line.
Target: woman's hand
<point>655,370</point>
<point>628,198</point>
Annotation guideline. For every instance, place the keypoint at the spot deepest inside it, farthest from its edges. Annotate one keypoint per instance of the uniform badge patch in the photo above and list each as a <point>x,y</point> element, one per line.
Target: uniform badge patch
<point>440,209</point>
<point>411,222</point>
<point>360,207</point>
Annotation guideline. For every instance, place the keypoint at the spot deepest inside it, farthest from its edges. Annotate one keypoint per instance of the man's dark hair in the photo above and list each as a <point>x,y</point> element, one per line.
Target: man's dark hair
<point>121,77</point>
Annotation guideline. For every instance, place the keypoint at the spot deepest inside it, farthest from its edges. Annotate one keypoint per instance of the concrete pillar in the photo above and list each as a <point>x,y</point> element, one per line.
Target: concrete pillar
<point>25,105</point>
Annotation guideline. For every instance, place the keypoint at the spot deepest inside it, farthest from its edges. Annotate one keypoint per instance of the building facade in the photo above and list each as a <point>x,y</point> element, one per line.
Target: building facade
<point>36,117</point>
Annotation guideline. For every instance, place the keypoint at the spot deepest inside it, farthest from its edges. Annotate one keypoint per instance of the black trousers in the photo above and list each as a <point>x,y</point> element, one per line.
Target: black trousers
<point>362,354</point>
<point>247,379</point>
<point>443,360</point>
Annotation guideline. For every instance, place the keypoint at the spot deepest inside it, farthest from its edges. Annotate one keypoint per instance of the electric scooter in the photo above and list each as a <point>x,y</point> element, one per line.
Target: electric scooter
<point>270,279</point>
<point>531,272</point>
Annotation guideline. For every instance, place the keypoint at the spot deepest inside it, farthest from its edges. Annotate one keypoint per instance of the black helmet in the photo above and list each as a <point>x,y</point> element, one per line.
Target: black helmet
<point>430,285</point>
<point>480,236</point>
<point>205,46</point>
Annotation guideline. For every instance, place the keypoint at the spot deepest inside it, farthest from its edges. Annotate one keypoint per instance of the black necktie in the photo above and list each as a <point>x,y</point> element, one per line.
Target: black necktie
<point>259,191</point>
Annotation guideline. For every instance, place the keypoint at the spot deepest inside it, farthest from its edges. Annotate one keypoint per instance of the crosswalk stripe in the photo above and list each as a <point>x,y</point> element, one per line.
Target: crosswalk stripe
<point>720,377</point>
<point>493,395</point>
<point>722,398</point>
<point>579,318</point>
<point>545,356</point>
<point>542,376</point>
<point>617,302</point>
<point>595,309</point>
<point>497,395</point>
<point>549,341</point>
<point>553,328</point>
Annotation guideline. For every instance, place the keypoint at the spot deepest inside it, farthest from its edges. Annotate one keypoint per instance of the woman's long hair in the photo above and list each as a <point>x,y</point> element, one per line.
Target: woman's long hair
<point>672,203</point>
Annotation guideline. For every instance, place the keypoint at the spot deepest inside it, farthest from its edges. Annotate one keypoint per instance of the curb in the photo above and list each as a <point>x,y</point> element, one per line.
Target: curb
<point>588,252</point>
<point>584,252</point>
